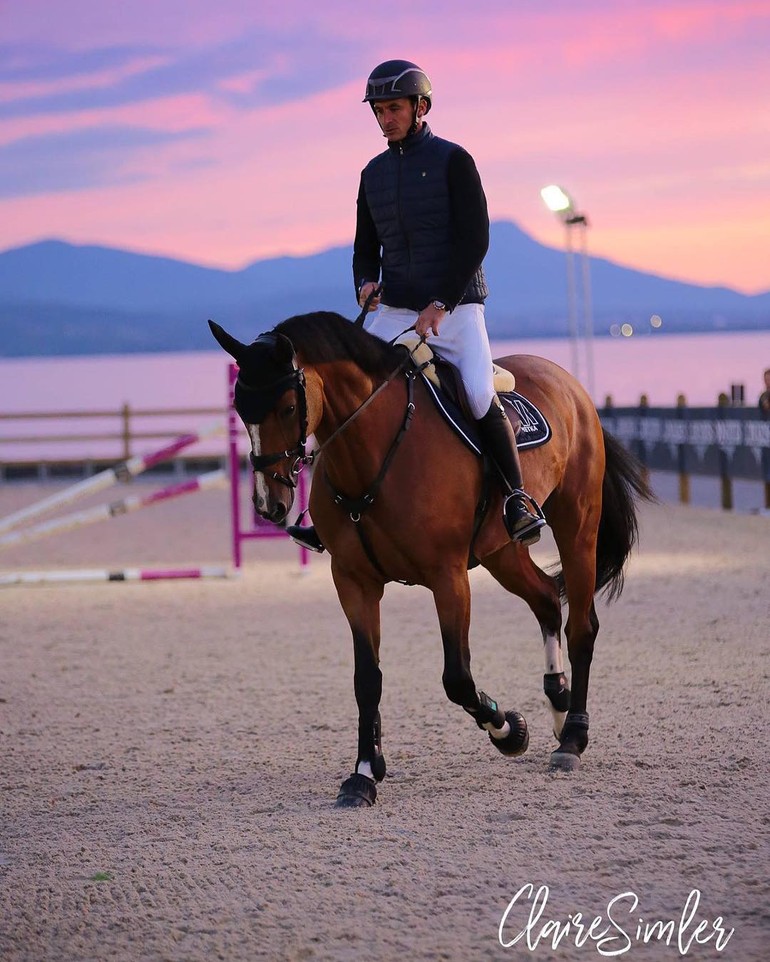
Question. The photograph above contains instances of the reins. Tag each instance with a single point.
(375, 292)
(360, 409)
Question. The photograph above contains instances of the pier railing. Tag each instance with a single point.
(723, 441)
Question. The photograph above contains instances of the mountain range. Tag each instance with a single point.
(58, 298)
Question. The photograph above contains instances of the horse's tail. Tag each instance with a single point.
(623, 486)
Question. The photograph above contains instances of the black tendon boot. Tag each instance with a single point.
(522, 515)
(305, 537)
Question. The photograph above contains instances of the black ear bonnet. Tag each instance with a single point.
(265, 373)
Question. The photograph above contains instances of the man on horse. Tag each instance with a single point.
(422, 231)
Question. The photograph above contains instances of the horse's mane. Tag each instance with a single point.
(324, 336)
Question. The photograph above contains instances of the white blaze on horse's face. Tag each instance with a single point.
(260, 487)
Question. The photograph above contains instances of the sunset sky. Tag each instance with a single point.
(230, 131)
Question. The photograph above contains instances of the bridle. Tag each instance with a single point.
(296, 380)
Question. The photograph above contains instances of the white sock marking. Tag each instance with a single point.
(498, 732)
(554, 662)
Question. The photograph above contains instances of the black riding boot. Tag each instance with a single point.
(521, 514)
(306, 537)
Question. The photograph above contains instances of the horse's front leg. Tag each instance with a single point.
(360, 601)
(507, 730)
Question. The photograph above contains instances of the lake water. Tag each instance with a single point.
(660, 365)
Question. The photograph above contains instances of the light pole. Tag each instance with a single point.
(560, 203)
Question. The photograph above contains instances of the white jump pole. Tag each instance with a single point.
(122, 472)
(102, 512)
(106, 574)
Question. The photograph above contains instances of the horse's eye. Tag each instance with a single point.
(288, 411)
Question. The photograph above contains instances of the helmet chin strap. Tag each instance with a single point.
(416, 121)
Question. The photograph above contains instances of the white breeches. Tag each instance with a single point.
(462, 340)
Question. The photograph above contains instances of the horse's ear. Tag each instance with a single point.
(284, 349)
(226, 341)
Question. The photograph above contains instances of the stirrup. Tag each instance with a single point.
(525, 527)
(305, 537)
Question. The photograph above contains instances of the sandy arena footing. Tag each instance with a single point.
(171, 753)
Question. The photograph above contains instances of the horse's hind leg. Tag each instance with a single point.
(360, 601)
(513, 568)
(507, 730)
(575, 535)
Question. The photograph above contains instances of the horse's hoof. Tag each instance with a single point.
(358, 791)
(564, 762)
(516, 741)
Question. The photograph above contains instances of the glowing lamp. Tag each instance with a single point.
(556, 199)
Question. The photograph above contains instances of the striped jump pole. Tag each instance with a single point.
(107, 574)
(105, 479)
(102, 512)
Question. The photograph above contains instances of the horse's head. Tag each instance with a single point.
(271, 398)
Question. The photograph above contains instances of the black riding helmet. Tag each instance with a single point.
(398, 78)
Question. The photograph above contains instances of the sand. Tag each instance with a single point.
(171, 753)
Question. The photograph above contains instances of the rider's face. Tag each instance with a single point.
(395, 117)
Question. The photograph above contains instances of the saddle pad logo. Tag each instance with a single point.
(535, 430)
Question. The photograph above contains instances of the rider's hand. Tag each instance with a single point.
(366, 290)
(429, 320)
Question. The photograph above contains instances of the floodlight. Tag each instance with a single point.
(556, 199)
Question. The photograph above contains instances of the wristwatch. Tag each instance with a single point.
(439, 305)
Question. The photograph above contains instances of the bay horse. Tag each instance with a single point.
(396, 497)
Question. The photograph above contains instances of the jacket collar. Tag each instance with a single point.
(411, 141)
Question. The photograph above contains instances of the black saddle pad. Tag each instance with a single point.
(535, 430)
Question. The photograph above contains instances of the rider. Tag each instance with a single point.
(422, 231)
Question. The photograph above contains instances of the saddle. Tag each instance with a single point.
(445, 376)
(448, 392)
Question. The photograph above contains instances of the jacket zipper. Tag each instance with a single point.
(398, 209)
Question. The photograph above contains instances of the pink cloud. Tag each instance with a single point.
(650, 113)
